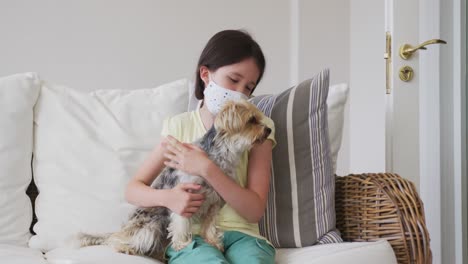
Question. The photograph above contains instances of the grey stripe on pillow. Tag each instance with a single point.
(324, 202)
(282, 181)
(331, 237)
(269, 228)
(300, 207)
(302, 147)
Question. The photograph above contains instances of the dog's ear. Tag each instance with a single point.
(229, 117)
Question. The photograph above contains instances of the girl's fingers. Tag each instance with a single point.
(197, 197)
(175, 143)
(173, 149)
(191, 210)
(196, 203)
(171, 164)
(171, 139)
(171, 157)
(190, 186)
(197, 147)
(189, 146)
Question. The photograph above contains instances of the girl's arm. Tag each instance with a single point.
(178, 199)
(249, 202)
(138, 190)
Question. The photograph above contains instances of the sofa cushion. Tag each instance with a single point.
(350, 253)
(18, 94)
(300, 210)
(357, 252)
(87, 147)
(11, 254)
(94, 255)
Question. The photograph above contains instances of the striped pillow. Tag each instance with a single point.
(301, 202)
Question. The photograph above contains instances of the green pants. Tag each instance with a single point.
(238, 248)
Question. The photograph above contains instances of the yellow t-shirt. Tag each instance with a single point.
(188, 127)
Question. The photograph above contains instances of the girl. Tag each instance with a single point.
(231, 62)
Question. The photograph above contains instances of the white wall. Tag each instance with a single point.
(367, 82)
(324, 41)
(120, 44)
(133, 44)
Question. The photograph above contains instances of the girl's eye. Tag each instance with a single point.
(233, 80)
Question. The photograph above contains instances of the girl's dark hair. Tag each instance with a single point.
(224, 48)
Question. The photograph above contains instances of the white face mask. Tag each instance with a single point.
(216, 96)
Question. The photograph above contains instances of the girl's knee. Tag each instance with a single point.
(198, 251)
(254, 250)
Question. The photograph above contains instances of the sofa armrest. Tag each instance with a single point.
(372, 207)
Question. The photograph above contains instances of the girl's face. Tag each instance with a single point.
(241, 77)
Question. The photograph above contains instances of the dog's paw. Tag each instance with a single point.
(125, 250)
(217, 244)
(179, 245)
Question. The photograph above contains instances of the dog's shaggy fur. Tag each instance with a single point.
(236, 128)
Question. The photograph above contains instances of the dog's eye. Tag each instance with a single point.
(253, 120)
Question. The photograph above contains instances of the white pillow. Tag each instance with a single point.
(18, 94)
(87, 147)
(336, 102)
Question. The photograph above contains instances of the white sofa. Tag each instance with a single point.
(62, 207)
(355, 252)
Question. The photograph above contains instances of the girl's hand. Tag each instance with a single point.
(186, 157)
(182, 201)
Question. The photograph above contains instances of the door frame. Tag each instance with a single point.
(430, 125)
(453, 131)
(443, 130)
(459, 131)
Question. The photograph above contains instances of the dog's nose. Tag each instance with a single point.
(267, 131)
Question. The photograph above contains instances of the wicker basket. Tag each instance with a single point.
(372, 207)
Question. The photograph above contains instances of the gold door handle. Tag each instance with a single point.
(406, 51)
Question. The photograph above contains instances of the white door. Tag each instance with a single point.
(412, 115)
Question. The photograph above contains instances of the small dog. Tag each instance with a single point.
(236, 128)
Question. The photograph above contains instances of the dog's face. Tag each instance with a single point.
(240, 125)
